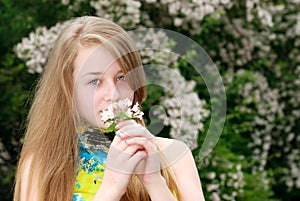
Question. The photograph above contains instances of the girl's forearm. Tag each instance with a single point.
(106, 194)
(160, 191)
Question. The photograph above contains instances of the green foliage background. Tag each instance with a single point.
(19, 18)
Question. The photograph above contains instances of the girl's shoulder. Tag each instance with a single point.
(172, 150)
(168, 143)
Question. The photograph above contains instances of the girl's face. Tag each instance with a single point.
(98, 81)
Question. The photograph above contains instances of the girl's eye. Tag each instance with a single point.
(122, 78)
(94, 82)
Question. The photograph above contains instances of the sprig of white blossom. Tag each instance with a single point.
(35, 48)
(185, 111)
(225, 181)
(185, 15)
(155, 47)
(124, 12)
(118, 111)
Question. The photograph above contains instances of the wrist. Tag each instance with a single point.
(157, 182)
(105, 193)
(159, 190)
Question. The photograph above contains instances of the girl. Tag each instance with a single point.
(66, 156)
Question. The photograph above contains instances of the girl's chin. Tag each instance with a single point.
(102, 125)
(98, 124)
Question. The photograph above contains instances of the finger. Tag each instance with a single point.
(125, 162)
(134, 130)
(119, 143)
(132, 149)
(124, 123)
(138, 157)
(133, 126)
(116, 140)
(149, 146)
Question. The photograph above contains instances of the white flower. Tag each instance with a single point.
(215, 196)
(35, 48)
(107, 114)
(212, 175)
(65, 2)
(129, 112)
(212, 187)
(120, 110)
(185, 112)
(135, 108)
(124, 12)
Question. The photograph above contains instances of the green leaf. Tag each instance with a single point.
(111, 128)
(123, 116)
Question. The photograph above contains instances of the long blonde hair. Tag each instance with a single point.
(50, 141)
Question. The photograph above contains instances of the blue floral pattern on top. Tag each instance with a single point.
(93, 145)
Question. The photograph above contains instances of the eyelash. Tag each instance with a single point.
(123, 78)
(120, 78)
(92, 82)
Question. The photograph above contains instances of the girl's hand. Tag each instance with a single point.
(133, 134)
(121, 162)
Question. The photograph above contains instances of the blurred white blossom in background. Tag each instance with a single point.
(124, 12)
(35, 48)
(257, 51)
(185, 111)
(230, 181)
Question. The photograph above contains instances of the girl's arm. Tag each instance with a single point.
(188, 178)
(26, 187)
(179, 158)
(184, 167)
(160, 191)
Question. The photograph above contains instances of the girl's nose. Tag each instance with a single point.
(110, 91)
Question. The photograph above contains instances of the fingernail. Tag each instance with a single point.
(117, 127)
(118, 133)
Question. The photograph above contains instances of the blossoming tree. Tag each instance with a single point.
(255, 46)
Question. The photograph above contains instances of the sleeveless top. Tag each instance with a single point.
(93, 147)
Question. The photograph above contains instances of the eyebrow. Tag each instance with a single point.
(120, 71)
(99, 73)
(92, 73)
